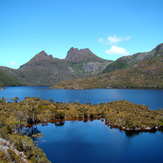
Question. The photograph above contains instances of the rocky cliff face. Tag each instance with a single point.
(76, 55)
(84, 61)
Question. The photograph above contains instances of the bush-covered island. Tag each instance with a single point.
(16, 147)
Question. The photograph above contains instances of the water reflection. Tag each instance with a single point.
(59, 123)
(90, 140)
(31, 131)
(44, 124)
(85, 120)
(135, 133)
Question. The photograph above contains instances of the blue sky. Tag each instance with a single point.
(109, 28)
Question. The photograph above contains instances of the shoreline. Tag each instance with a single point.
(145, 88)
(31, 111)
(57, 121)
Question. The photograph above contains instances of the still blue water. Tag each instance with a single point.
(152, 98)
(95, 142)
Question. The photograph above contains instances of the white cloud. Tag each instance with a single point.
(115, 50)
(114, 39)
(13, 63)
(101, 40)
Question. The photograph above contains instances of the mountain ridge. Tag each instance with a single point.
(44, 69)
(77, 55)
(141, 70)
(128, 61)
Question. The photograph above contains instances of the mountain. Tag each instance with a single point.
(126, 71)
(38, 59)
(43, 69)
(83, 61)
(144, 70)
(76, 55)
(6, 80)
(128, 61)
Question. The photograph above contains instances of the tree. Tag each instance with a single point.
(15, 99)
(3, 100)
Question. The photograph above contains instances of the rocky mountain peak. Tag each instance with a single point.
(41, 56)
(77, 55)
(42, 53)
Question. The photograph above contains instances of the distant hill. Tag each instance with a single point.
(141, 70)
(128, 61)
(6, 80)
(43, 69)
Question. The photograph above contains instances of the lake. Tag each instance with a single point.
(95, 142)
(151, 97)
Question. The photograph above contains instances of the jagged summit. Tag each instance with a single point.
(42, 53)
(77, 55)
(41, 56)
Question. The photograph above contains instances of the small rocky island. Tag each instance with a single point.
(14, 116)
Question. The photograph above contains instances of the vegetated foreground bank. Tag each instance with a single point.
(13, 116)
